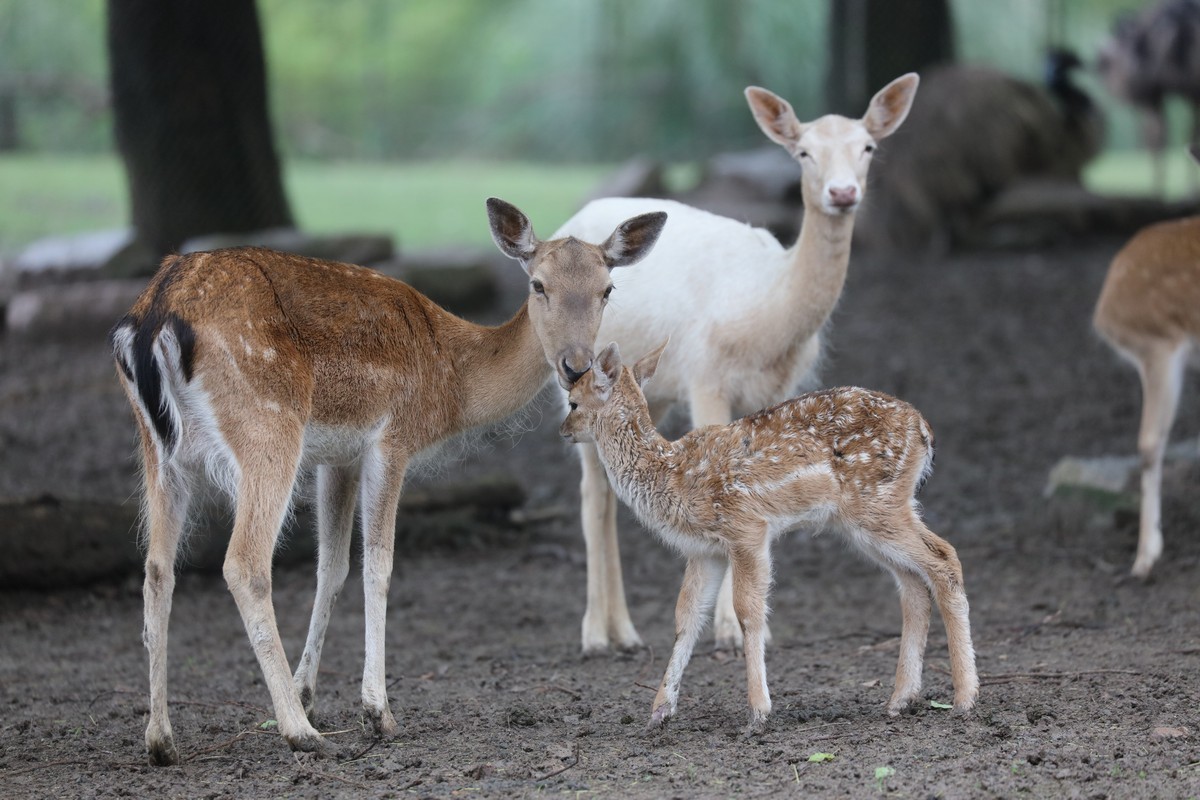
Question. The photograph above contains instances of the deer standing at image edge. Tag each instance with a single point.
(1149, 312)
(246, 366)
(721, 494)
(744, 314)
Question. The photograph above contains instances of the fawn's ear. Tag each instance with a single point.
(633, 239)
(607, 366)
(890, 106)
(644, 369)
(511, 230)
(774, 115)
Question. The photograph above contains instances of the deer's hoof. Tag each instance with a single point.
(162, 753)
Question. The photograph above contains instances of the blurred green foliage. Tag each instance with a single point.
(545, 80)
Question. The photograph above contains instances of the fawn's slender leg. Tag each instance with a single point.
(337, 494)
(916, 611)
(1161, 367)
(268, 475)
(167, 497)
(701, 580)
(383, 477)
(709, 406)
(751, 569)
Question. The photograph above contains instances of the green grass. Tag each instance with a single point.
(1131, 172)
(421, 204)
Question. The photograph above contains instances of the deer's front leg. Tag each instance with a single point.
(751, 571)
(383, 477)
(700, 582)
(337, 493)
(606, 620)
(709, 406)
(1161, 370)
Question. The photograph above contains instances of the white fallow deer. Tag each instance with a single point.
(246, 366)
(720, 495)
(1149, 311)
(744, 314)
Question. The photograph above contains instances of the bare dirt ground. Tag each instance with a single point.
(1090, 680)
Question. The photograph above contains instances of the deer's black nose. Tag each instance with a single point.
(571, 374)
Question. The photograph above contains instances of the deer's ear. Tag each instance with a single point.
(774, 115)
(511, 230)
(633, 239)
(890, 106)
(608, 363)
(645, 367)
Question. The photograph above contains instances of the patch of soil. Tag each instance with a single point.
(1091, 682)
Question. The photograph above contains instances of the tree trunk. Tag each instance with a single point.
(873, 41)
(190, 104)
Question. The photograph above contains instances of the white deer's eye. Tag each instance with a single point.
(869, 148)
(803, 154)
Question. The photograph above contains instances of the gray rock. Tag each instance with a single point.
(1109, 482)
(72, 253)
(360, 248)
(85, 309)
(459, 279)
(637, 177)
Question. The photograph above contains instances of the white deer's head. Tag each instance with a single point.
(834, 152)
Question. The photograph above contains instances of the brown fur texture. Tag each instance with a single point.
(722, 493)
(1149, 311)
(245, 366)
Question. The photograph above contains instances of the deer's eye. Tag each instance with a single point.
(537, 287)
(573, 406)
(869, 148)
(607, 292)
(804, 154)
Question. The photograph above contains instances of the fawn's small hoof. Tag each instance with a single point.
(383, 723)
(757, 725)
(659, 718)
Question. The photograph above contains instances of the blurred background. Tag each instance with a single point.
(401, 117)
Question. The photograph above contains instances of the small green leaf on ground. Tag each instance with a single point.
(936, 704)
(819, 757)
(269, 724)
(882, 774)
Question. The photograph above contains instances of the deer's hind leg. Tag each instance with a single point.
(921, 561)
(268, 462)
(167, 495)
(337, 495)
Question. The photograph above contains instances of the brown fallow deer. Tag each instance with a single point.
(847, 458)
(247, 366)
(1149, 311)
(745, 314)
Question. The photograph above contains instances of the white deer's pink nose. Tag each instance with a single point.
(843, 196)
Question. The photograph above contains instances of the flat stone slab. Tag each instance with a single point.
(1110, 482)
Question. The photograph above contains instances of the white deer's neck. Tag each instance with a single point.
(817, 272)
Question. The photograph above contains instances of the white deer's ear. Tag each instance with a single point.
(890, 106)
(774, 115)
(511, 230)
(645, 367)
(633, 239)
